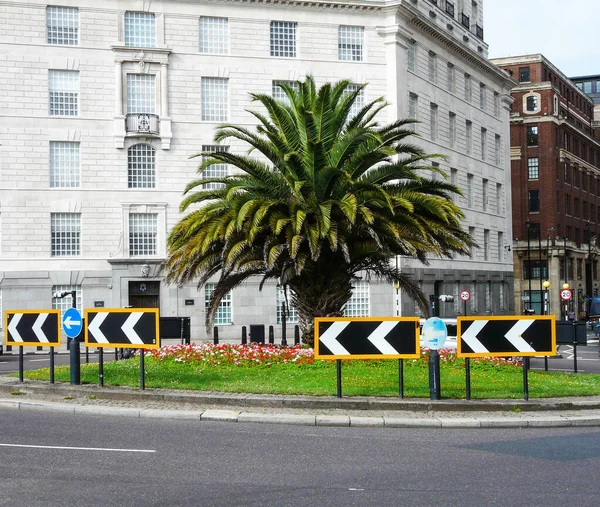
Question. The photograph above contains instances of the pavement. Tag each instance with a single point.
(299, 410)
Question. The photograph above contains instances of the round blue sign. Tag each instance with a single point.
(72, 322)
(434, 333)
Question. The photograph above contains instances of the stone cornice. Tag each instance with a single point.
(374, 5)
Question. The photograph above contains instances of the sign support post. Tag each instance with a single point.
(401, 378)
(142, 373)
(465, 295)
(526, 378)
(52, 365)
(338, 368)
(21, 363)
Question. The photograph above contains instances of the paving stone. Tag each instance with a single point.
(220, 415)
(333, 420)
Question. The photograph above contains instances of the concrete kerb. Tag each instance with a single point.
(303, 410)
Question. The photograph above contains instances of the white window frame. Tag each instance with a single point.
(411, 55)
(277, 92)
(216, 170)
(65, 164)
(486, 244)
(413, 110)
(62, 25)
(468, 88)
(450, 78)
(470, 196)
(63, 92)
(469, 136)
(482, 93)
(283, 39)
(63, 304)
(351, 42)
(224, 314)
(141, 93)
(215, 99)
(359, 303)
(141, 166)
(213, 35)
(359, 102)
(65, 234)
(432, 66)
(291, 316)
(473, 299)
(497, 149)
(433, 121)
(452, 129)
(483, 143)
(139, 29)
(143, 235)
(488, 297)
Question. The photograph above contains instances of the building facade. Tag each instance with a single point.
(103, 105)
(555, 159)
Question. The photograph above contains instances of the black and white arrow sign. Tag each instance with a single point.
(367, 338)
(122, 328)
(506, 336)
(33, 327)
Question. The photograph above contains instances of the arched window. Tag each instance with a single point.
(141, 172)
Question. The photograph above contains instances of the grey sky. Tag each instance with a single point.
(563, 31)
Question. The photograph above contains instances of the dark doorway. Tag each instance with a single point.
(144, 294)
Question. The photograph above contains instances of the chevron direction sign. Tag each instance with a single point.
(367, 338)
(506, 336)
(32, 327)
(122, 328)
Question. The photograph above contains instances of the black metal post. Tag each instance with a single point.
(271, 336)
(526, 378)
(541, 271)
(575, 346)
(215, 335)
(566, 278)
(101, 366)
(20, 364)
(434, 375)
(74, 351)
(338, 368)
(588, 277)
(468, 377)
(87, 355)
(142, 372)
(52, 365)
(296, 335)
(401, 378)
(244, 336)
(283, 323)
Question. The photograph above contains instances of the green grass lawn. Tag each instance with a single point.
(359, 378)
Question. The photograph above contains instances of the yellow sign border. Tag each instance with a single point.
(32, 344)
(127, 345)
(461, 318)
(416, 320)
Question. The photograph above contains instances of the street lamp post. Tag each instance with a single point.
(528, 225)
(566, 286)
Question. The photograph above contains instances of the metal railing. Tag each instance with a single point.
(144, 123)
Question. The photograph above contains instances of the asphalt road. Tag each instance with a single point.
(55, 459)
(9, 361)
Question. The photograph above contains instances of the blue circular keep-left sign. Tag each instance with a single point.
(72, 322)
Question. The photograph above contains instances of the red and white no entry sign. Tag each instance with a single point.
(566, 294)
(465, 295)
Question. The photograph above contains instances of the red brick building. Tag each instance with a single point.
(555, 173)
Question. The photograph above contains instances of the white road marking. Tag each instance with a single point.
(38, 360)
(76, 448)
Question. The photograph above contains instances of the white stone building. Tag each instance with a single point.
(103, 103)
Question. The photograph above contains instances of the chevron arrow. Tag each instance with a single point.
(94, 328)
(128, 328)
(12, 327)
(514, 336)
(470, 336)
(37, 327)
(329, 338)
(377, 337)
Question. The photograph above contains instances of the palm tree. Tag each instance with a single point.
(329, 197)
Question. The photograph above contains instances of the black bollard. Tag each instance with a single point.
(216, 335)
(244, 336)
(296, 335)
(75, 362)
(271, 336)
(434, 375)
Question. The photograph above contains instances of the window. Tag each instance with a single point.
(473, 300)
(143, 232)
(524, 76)
(468, 90)
(482, 96)
(532, 136)
(501, 298)
(213, 35)
(278, 93)
(454, 181)
(534, 201)
(64, 164)
(486, 244)
(140, 29)
(469, 128)
(413, 109)
(215, 170)
(488, 297)
(500, 254)
(496, 104)
(223, 315)
(450, 78)
(533, 169)
(472, 248)
(291, 316)
(350, 43)
(359, 102)
(470, 190)
(63, 92)
(141, 171)
(62, 25)
(587, 87)
(433, 120)
(452, 129)
(215, 99)
(358, 304)
(485, 193)
(411, 57)
(497, 149)
(283, 39)
(532, 103)
(141, 93)
(538, 269)
(499, 198)
(483, 143)
(65, 303)
(432, 63)
(65, 232)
